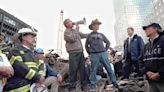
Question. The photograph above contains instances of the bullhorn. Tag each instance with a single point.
(83, 21)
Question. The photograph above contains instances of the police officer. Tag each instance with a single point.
(27, 69)
(153, 58)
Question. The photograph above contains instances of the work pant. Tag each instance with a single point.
(52, 81)
(130, 66)
(76, 63)
(156, 87)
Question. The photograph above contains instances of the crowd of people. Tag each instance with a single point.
(29, 67)
(143, 59)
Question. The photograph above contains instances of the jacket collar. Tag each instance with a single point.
(153, 40)
(21, 47)
(26, 46)
(133, 36)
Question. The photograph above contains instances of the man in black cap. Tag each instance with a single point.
(153, 58)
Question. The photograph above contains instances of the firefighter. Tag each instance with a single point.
(27, 69)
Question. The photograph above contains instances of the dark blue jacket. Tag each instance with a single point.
(50, 71)
(152, 58)
(136, 47)
(95, 43)
(26, 67)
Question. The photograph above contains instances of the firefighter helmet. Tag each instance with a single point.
(26, 30)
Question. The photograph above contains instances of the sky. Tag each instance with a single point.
(44, 15)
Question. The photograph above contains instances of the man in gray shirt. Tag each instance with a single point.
(75, 50)
(97, 51)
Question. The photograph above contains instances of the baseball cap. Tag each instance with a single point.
(155, 25)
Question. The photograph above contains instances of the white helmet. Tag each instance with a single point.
(34, 88)
(26, 30)
(118, 53)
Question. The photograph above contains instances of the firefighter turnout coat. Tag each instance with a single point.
(27, 69)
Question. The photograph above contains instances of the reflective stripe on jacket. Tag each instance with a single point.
(27, 69)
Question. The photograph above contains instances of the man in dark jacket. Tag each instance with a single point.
(97, 51)
(133, 47)
(27, 69)
(153, 58)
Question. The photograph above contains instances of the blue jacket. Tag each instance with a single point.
(136, 47)
(152, 58)
(95, 43)
(50, 71)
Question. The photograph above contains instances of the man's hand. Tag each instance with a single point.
(155, 76)
(7, 71)
(59, 78)
(41, 80)
(149, 74)
(39, 85)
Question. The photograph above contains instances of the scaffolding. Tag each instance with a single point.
(60, 34)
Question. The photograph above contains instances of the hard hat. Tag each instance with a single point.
(26, 30)
(118, 53)
(34, 88)
(40, 50)
(2, 34)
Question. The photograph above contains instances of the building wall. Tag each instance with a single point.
(158, 13)
(131, 14)
(121, 22)
(9, 25)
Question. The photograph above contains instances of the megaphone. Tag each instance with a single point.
(83, 21)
